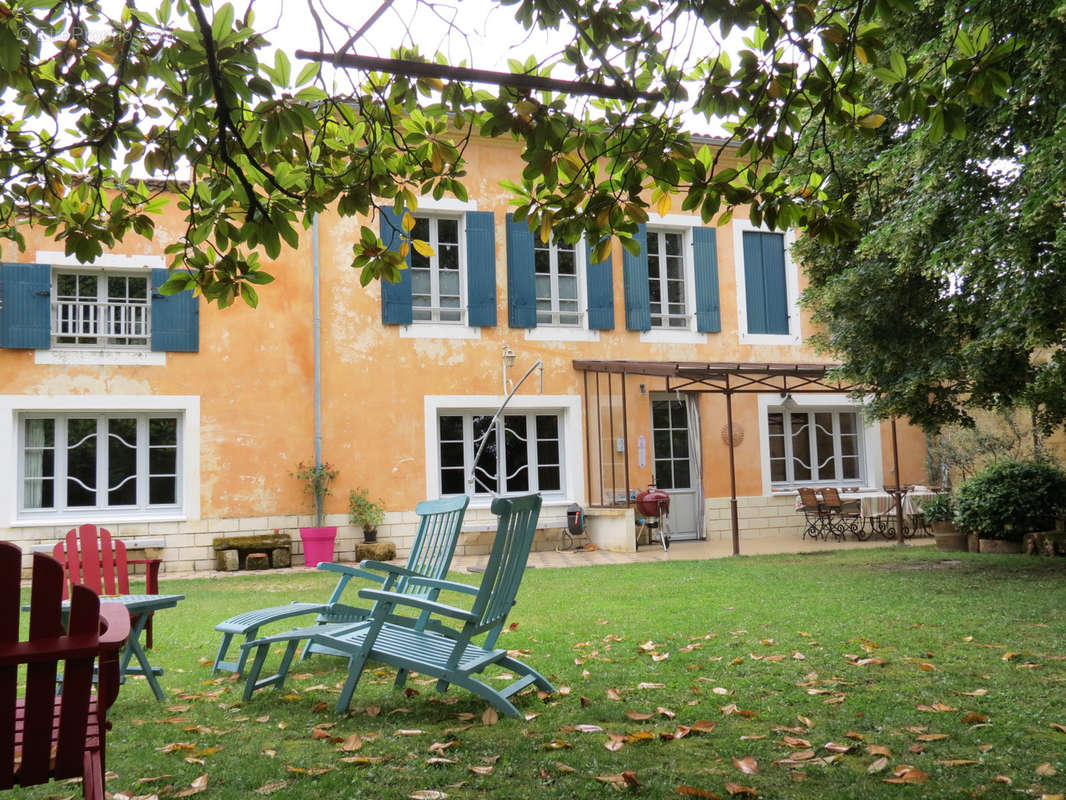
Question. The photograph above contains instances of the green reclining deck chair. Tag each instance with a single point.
(448, 654)
(431, 555)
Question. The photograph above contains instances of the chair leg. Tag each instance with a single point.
(92, 785)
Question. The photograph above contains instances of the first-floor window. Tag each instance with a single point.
(522, 453)
(555, 266)
(815, 447)
(436, 280)
(82, 462)
(666, 280)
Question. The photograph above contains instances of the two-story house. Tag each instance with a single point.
(174, 422)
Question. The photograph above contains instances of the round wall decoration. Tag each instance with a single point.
(738, 434)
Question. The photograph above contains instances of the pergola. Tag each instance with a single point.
(723, 378)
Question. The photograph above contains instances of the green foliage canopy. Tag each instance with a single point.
(254, 146)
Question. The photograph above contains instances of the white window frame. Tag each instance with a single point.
(555, 332)
(101, 303)
(678, 223)
(100, 355)
(794, 335)
(869, 438)
(14, 408)
(552, 248)
(436, 310)
(567, 407)
(446, 207)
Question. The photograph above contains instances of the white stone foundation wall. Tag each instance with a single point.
(187, 546)
(757, 516)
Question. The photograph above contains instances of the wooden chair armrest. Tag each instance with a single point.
(349, 571)
(422, 603)
(435, 583)
(151, 573)
(117, 619)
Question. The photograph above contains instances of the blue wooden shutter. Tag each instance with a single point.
(481, 268)
(175, 318)
(599, 286)
(521, 277)
(705, 267)
(25, 306)
(635, 275)
(395, 297)
(764, 282)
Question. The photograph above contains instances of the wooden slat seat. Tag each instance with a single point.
(439, 524)
(451, 644)
(53, 726)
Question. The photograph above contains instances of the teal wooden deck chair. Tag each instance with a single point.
(429, 647)
(431, 555)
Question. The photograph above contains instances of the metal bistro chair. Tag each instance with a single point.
(815, 514)
(844, 516)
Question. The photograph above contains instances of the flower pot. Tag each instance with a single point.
(318, 544)
(1000, 546)
(370, 535)
(973, 543)
(951, 542)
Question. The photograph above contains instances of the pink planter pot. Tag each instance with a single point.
(318, 544)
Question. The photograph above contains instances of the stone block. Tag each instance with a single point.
(257, 561)
(227, 560)
(281, 557)
(375, 551)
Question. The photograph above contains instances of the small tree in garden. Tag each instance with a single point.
(1010, 498)
(317, 479)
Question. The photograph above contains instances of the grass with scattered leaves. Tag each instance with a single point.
(894, 673)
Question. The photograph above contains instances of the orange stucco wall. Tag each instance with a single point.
(254, 373)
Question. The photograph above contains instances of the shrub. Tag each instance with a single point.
(364, 511)
(940, 508)
(1010, 498)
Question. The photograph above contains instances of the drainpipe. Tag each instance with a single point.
(316, 325)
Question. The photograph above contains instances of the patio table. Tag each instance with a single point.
(880, 509)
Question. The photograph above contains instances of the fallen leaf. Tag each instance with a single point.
(932, 737)
(833, 747)
(976, 693)
(650, 685)
(804, 721)
(612, 694)
(692, 791)
(557, 744)
(409, 732)
(363, 761)
(270, 788)
(905, 773)
(703, 725)
(352, 743)
(197, 786)
(748, 765)
(490, 717)
(1058, 727)
(1046, 770)
(878, 765)
(480, 770)
(440, 747)
(796, 742)
(1003, 779)
(956, 762)
(427, 794)
(639, 716)
(736, 788)
(665, 712)
(878, 750)
(438, 760)
(973, 717)
(559, 765)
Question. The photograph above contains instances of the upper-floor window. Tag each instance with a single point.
(667, 289)
(817, 446)
(558, 290)
(101, 309)
(83, 462)
(436, 280)
(556, 285)
(522, 453)
(65, 310)
(767, 286)
(671, 285)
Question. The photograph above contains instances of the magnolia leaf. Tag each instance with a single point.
(736, 788)
(878, 765)
(422, 248)
(748, 765)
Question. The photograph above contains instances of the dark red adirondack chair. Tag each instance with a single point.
(90, 556)
(48, 732)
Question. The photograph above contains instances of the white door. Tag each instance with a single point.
(675, 467)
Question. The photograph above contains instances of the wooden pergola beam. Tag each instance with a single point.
(423, 69)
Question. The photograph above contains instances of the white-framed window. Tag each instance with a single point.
(767, 278)
(101, 308)
(438, 281)
(669, 281)
(87, 458)
(559, 275)
(75, 461)
(815, 446)
(522, 453)
(535, 446)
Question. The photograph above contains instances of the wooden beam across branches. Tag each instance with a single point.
(423, 69)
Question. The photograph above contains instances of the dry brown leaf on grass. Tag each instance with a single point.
(692, 791)
(584, 728)
(480, 770)
(748, 765)
(732, 709)
(639, 716)
(736, 788)
(615, 741)
(270, 788)
(557, 744)
(650, 685)
(905, 773)
(1058, 727)
(308, 770)
(440, 747)
(364, 761)
(877, 765)
(622, 780)
(976, 693)
(936, 707)
(612, 694)
(974, 718)
(1046, 770)
(834, 747)
(197, 786)
(956, 762)
(409, 732)
(805, 721)
(427, 794)
(436, 761)
(352, 743)
(932, 737)
(878, 750)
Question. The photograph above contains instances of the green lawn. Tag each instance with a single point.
(800, 676)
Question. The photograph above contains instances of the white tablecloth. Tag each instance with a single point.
(880, 505)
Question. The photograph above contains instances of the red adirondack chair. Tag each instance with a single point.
(90, 556)
(47, 733)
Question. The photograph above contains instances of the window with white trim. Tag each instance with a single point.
(815, 446)
(523, 453)
(84, 462)
(667, 292)
(556, 267)
(101, 309)
(437, 280)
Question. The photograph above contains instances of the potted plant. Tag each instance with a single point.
(365, 512)
(1008, 499)
(317, 541)
(939, 512)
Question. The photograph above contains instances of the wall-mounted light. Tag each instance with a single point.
(643, 389)
(788, 401)
(508, 356)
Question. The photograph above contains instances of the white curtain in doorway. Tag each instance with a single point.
(695, 446)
